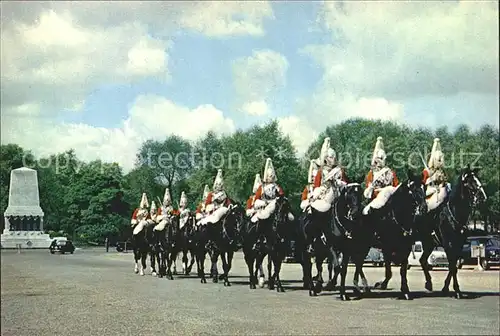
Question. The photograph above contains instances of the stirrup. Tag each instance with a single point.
(348, 235)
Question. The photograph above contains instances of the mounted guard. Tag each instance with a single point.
(250, 211)
(153, 213)
(308, 191)
(200, 209)
(165, 213)
(141, 213)
(183, 210)
(265, 196)
(217, 202)
(435, 178)
(329, 179)
(381, 181)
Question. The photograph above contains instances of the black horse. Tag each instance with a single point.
(187, 243)
(142, 242)
(446, 225)
(168, 243)
(394, 225)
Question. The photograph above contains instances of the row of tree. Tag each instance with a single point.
(92, 200)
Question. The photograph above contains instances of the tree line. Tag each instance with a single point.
(93, 200)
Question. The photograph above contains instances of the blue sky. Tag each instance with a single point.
(102, 84)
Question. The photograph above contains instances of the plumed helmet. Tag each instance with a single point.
(206, 191)
(167, 200)
(269, 172)
(219, 182)
(144, 202)
(153, 207)
(184, 201)
(256, 183)
(379, 155)
(436, 159)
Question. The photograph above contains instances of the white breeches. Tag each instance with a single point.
(267, 211)
(382, 198)
(304, 204)
(438, 196)
(250, 212)
(216, 215)
(139, 227)
(161, 225)
(325, 200)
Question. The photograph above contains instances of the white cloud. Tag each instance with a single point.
(220, 19)
(256, 108)
(150, 117)
(300, 132)
(260, 75)
(385, 56)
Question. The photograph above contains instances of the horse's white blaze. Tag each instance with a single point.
(480, 187)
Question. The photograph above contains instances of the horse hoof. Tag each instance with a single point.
(153, 274)
(407, 296)
(380, 285)
(261, 282)
(252, 286)
(280, 290)
(312, 293)
(458, 295)
(344, 297)
(428, 286)
(445, 291)
(227, 284)
(318, 288)
(215, 280)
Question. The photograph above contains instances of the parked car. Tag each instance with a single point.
(61, 245)
(437, 258)
(375, 257)
(492, 251)
(124, 246)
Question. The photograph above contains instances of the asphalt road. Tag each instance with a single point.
(97, 293)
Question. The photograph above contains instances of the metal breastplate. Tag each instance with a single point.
(382, 178)
(269, 192)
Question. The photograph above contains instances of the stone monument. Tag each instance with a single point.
(24, 217)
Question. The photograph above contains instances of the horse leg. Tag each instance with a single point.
(249, 260)
(144, 256)
(343, 274)
(259, 259)
(388, 275)
(319, 278)
(152, 261)
(184, 261)
(191, 262)
(308, 281)
(404, 280)
(174, 264)
(225, 268)
(428, 247)
(200, 256)
(270, 282)
(452, 273)
(213, 270)
(137, 257)
(278, 261)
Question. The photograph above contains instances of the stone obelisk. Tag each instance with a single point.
(24, 216)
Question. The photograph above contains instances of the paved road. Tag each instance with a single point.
(97, 293)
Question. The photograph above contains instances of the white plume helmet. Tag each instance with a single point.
(206, 191)
(269, 172)
(184, 201)
(379, 151)
(313, 170)
(324, 150)
(167, 200)
(256, 183)
(144, 202)
(219, 182)
(436, 159)
(153, 207)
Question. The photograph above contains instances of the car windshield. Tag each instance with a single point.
(440, 249)
(61, 242)
(493, 242)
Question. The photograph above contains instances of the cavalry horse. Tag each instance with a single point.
(187, 244)
(445, 226)
(394, 224)
(168, 246)
(276, 232)
(142, 240)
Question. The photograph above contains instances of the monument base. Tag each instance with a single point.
(27, 240)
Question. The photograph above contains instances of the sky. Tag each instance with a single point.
(103, 77)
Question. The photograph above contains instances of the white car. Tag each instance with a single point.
(437, 258)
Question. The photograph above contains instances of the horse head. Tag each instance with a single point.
(281, 212)
(471, 187)
(351, 197)
(233, 220)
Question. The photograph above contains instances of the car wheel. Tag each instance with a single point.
(72, 252)
(460, 263)
(485, 265)
(52, 252)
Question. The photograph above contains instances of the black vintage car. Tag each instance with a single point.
(62, 246)
(124, 246)
(492, 251)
